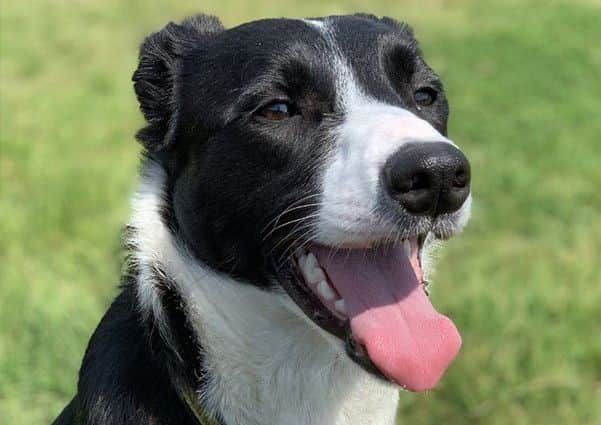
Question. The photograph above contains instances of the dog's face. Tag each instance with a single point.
(311, 155)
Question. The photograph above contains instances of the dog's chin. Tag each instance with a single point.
(374, 299)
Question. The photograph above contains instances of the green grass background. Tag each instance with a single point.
(522, 283)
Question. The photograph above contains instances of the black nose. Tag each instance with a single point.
(428, 178)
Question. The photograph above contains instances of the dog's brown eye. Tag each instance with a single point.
(277, 111)
(425, 96)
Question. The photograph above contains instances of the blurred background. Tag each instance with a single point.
(522, 282)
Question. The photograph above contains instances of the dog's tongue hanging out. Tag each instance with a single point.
(391, 316)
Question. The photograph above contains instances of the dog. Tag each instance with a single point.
(296, 177)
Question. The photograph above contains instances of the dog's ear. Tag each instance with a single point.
(156, 80)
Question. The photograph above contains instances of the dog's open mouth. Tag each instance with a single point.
(375, 299)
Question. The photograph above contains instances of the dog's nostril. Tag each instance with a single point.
(460, 180)
(419, 181)
(404, 184)
(398, 185)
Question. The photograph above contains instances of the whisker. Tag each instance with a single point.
(288, 208)
(302, 226)
(294, 206)
(289, 251)
(279, 226)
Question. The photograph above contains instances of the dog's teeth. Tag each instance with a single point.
(316, 275)
(326, 292)
(340, 307)
(311, 261)
(407, 247)
(301, 260)
(311, 270)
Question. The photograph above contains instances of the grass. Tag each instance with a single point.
(521, 283)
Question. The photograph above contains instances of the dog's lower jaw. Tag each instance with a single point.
(264, 364)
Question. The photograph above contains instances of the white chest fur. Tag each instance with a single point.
(270, 366)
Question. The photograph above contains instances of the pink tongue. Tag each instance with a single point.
(391, 316)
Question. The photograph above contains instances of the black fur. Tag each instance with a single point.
(125, 376)
(157, 79)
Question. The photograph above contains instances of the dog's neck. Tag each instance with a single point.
(265, 362)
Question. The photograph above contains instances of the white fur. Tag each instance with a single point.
(267, 362)
(319, 24)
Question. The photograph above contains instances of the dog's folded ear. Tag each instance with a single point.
(156, 80)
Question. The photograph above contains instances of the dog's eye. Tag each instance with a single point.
(277, 111)
(425, 96)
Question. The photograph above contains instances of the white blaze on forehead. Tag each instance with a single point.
(319, 24)
(346, 85)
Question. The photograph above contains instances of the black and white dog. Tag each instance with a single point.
(297, 174)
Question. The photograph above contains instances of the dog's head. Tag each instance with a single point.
(311, 155)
